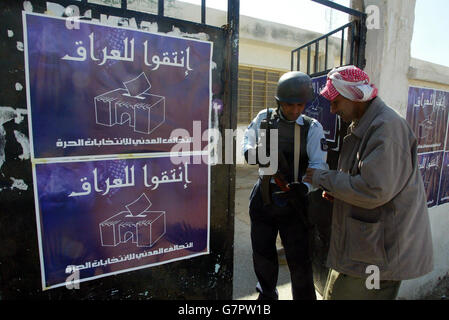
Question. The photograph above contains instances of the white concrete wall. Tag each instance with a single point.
(258, 54)
(420, 287)
(427, 74)
(388, 51)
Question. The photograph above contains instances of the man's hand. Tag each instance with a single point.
(309, 175)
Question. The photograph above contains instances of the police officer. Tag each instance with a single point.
(278, 201)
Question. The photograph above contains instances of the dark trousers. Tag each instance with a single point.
(266, 223)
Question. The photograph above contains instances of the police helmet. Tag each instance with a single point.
(294, 87)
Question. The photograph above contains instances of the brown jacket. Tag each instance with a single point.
(380, 212)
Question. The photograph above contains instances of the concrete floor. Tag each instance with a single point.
(244, 278)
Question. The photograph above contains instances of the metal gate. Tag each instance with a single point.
(207, 276)
(357, 41)
(317, 66)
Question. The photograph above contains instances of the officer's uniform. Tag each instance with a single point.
(281, 216)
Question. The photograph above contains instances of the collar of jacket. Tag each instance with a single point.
(363, 124)
(300, 120)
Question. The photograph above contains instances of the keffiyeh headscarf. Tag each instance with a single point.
(351, 82)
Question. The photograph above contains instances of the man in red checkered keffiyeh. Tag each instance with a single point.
(350, 82)
(350, 93)
(380, 219)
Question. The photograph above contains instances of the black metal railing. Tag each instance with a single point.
(356, 31)
(315, 44)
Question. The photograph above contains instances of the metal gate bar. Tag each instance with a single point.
(340, 7)
(357, 40)
(297, 52)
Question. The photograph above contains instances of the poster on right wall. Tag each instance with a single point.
(427, 114)
(444, 184)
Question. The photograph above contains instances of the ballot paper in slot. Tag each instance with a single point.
(131, 106)
(137, 225)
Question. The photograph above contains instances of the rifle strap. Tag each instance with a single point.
(297, 146)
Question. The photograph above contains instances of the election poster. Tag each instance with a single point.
(444, 185)
(319, 109)
(447, 136)
(430, 168)
(101, 90)
(105, 217)
(427, 114)
(107, 106)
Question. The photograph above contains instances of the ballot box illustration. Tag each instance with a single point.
(136, 224)
(132, 106)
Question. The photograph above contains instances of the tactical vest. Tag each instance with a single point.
(286, 137)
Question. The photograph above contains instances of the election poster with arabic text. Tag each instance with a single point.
(91, 225)
(104, 102)
(430, 168)
(100, 90)
(427, 114)
(444, 184)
